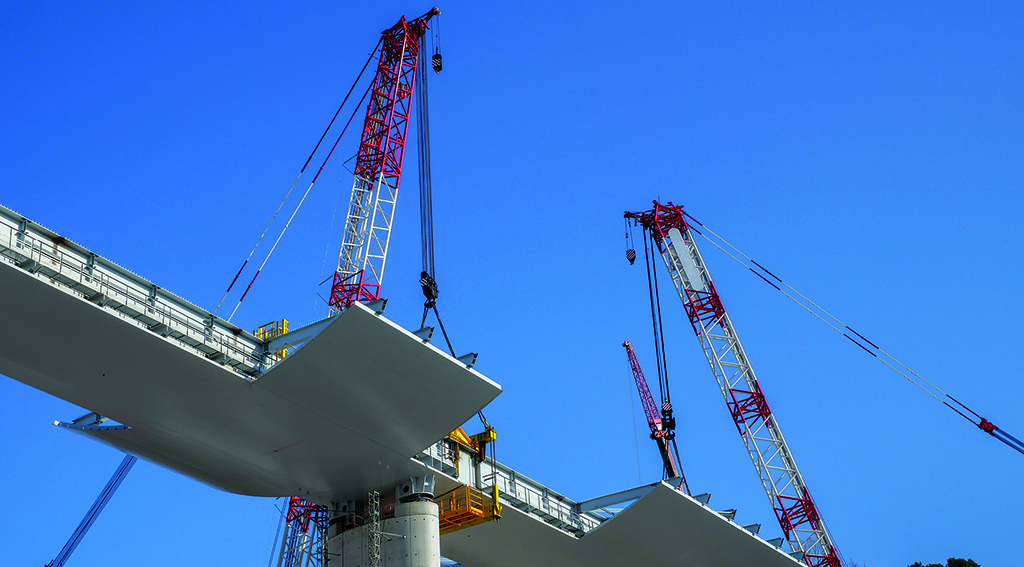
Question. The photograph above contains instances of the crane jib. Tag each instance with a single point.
(378, 170)
(796, 512)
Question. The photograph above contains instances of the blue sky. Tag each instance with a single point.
(868, 153)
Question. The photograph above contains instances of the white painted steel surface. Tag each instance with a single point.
(340, 416)
(83, 273)
(541, 527)
(690, 270)
(665, 527)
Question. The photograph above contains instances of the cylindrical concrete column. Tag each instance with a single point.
(421, 544)
(410, 539)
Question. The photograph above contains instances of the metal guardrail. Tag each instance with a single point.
(532, 497)
(84, 274)
(519, 491)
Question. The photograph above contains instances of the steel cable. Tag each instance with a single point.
(301, 171)
(981, 422)
(287, 224)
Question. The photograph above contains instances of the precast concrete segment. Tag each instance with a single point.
(665, 527)
(410, 539)
(341, 416)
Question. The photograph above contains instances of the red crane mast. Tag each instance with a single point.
(661, 424)
(378, 170)
(367, 234)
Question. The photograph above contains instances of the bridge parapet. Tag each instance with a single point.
(514, 489)
(82, 273)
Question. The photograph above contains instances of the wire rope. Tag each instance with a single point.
(819, 307)
(301, 171)
(822, 319)
(277, 536)
(663, 366)
(327, 246)
(834, 322)
(287, 224)
(654, 319)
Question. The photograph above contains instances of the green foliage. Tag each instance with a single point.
(951, 562)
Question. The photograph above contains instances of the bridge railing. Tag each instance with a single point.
(79, 272)
(536, 499)
(514, 489)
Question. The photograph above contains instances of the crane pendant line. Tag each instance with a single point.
(790, 499)
(301, 171)
(378, 170)
(875, 351)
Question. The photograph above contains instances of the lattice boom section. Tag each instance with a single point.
(703, 307)
(747, 404)
(748, 407)
(792, 513)
(344, 294)
(378, 169)
(303, 543)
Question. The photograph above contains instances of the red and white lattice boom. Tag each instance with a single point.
(660, 431)
(801, 523)
(371, 209)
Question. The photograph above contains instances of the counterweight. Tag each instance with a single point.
(801, 523)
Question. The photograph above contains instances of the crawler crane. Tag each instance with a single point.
(367, 232)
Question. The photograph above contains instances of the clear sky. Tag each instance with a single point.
(870, 153)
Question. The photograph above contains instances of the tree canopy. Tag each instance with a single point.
(951, 562)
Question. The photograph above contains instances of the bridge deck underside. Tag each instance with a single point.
(340, 416)
(665, 527)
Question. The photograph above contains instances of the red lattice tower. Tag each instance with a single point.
(378, 170)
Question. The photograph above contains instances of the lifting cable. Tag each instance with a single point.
(301, 171)
(836, 324)
(287, 224)
(659, 343)
(659, 339)
(427, 276)
(277, 534)
(666, 399)
(428, 283)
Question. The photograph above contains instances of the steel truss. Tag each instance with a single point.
(378, 170)
(801, 523)
(305, 536)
